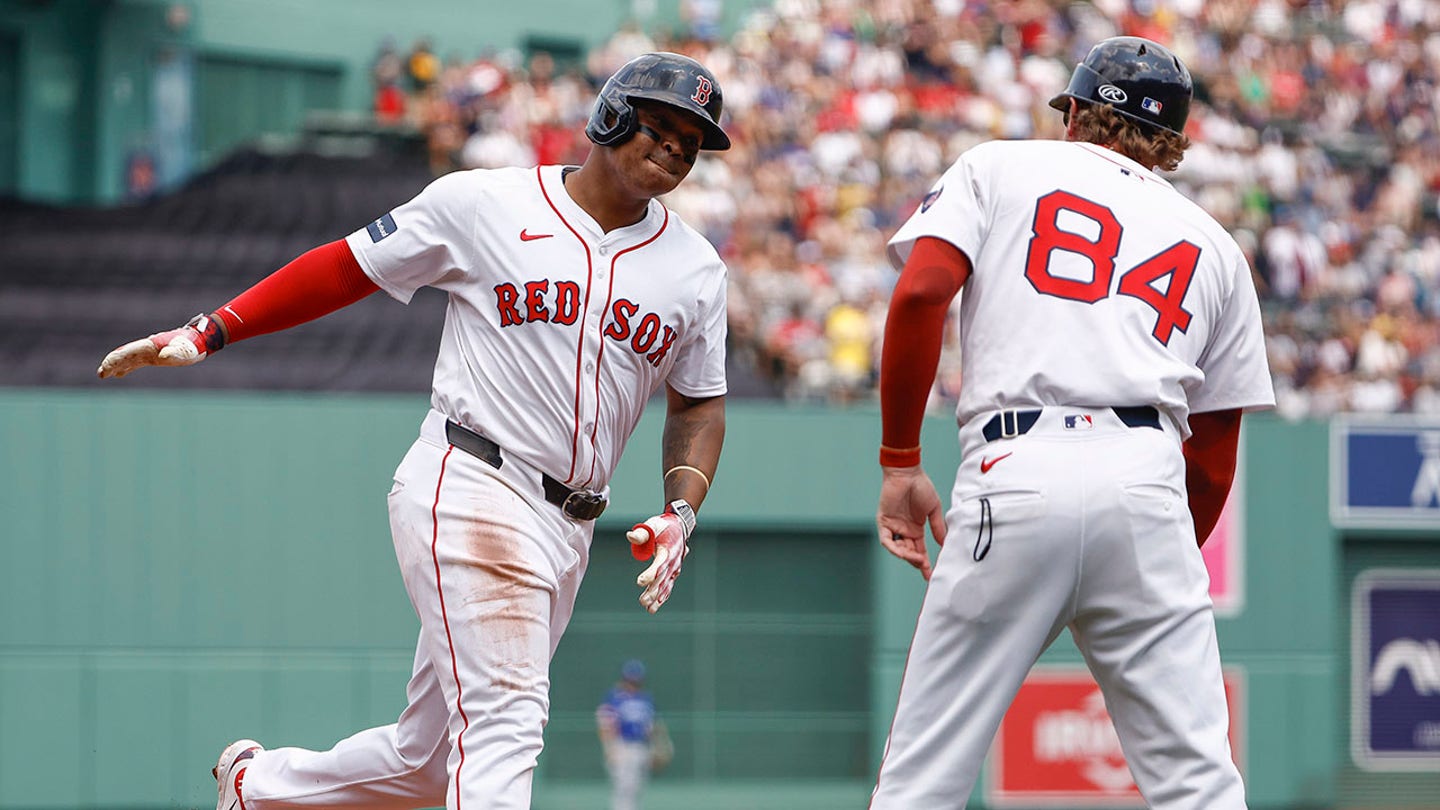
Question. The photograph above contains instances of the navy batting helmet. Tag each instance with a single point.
(668, 78)
(1141, 79)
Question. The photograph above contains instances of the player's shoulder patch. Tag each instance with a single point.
(931, 198)
(381, 228)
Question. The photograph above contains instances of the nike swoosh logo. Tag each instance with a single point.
(987, 463)
(531, 237)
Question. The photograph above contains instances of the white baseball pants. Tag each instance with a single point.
(492, 570)
(1087, 527)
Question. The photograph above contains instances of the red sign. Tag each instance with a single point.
(1057, 746)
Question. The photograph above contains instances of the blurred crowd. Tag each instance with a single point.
(1315, 142)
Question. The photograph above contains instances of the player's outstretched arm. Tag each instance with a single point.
(317, 283)
(694, 434)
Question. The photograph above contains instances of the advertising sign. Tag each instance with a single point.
(1057, 747)
(1395, 667)
(1385, 474)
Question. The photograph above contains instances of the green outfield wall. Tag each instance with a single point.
(182, 569)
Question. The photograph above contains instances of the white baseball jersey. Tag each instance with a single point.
(1095, 286)
(1095, 283)
(557, 332)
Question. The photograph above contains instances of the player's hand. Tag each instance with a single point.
(908, 501)
(663, 538)
(185, 346)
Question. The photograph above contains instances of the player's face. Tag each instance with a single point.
(663, 150)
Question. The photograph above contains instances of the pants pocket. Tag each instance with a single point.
(1168, 563)
(980, 556)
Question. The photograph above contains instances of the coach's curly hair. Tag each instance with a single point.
(1146, 145)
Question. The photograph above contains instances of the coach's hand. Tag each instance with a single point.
(201, 337)
(907, 502)
(662, 537)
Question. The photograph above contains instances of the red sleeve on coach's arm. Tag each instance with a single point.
(914, 332)
(318, 282)
(1210, 466)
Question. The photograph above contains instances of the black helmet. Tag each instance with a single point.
(668, 78)
(1143, 80)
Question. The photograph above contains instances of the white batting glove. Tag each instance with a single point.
(185, 346)
(662, 537)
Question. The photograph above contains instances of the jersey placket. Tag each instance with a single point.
(592, 351)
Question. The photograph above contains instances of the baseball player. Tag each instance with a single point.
(625, 720)
(573, 296)
(1111, 338)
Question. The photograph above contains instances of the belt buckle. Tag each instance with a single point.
(1010, 423)
(583, 505)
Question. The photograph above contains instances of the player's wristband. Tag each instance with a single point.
(681, 508)
(898, 457)
(212, 331)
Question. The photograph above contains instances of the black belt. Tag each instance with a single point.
(1009, 424)
(577, 503)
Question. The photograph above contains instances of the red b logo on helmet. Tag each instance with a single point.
(702, 91)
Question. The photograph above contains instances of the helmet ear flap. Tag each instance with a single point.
(612, 122)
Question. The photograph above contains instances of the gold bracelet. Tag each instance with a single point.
(696, 470)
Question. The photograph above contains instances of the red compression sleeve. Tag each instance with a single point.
(318, 282)
(914, 331)
(1210, 466)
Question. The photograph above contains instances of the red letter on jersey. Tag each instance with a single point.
(1049, 238)
(505, 297)
(619, 329)
(659, 354)
(535, 305)
(567, 302)
(646, 334)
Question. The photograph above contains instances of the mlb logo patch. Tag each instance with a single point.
(1079, 421)
(381, 228)
(1151, 106)
(930, 199)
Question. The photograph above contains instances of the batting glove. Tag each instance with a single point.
(662, 537)
(201, 337)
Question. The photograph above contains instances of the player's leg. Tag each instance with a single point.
(1147, 631)
(401, 765)
(627, 775)
(981, 627)
(490, 582)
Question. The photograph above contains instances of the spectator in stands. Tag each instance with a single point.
(422, 68)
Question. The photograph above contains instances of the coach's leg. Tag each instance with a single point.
(1147, 631)
(982, 625)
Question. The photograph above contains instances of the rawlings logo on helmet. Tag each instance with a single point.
(1112, 94)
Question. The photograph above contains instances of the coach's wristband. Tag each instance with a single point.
(897, 457)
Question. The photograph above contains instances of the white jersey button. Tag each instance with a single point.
(604, 249)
